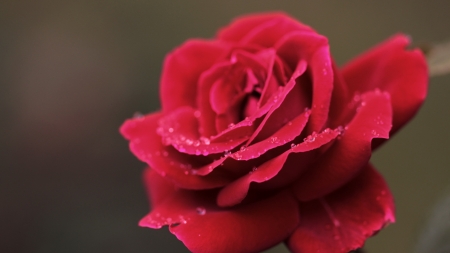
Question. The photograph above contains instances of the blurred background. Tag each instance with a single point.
(72, 71)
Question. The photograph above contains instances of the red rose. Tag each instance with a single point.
(262, 139)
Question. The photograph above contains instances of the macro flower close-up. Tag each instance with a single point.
(261, 138)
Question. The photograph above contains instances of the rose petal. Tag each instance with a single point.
(235, 192)
(314, 49)
(203, 227)
(268, 33)
(351, 152)
(392, 68)
(343, 220)
(182, 69)
(243, 25)
(146, 145)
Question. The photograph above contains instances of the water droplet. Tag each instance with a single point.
(243, 148)
(293, 145)
(163, 173)
(201, 210)
(197, 114)
(341, 130)
(231, 125)
(165, 153)
(324, 71)
(205, 140)
(170, 130)
(254, 168)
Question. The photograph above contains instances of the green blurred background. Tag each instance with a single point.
(72, 71)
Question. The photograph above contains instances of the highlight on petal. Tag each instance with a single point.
(182, 69)
(352, 151)
(393, 68)
(343, 220)
(236, 191)
(204, 227)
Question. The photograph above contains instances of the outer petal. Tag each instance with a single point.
(343, 220)
(394, 69)
(351, 152)
(146, 145)
(203, 227)
(242, 26)
(182, 69)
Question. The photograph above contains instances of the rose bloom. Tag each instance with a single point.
(262, 139)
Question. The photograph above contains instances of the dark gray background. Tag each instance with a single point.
(70, 73)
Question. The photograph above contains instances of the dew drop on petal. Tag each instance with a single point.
(201, 210)
(197, 114)
(205, 140)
